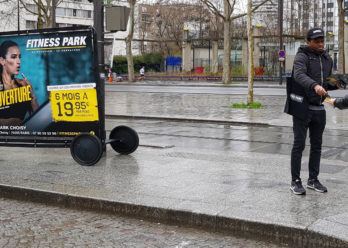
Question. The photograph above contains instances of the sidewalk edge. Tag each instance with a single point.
(186, 119)
(239, 227)
(197, 84)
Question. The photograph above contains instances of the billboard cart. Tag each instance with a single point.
(51, 94)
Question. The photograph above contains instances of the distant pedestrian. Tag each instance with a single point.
(142, 73)
(306, 93)
(110, 75)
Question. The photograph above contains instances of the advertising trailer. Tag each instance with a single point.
(51, 94)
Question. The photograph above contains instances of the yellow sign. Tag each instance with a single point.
(78, 105)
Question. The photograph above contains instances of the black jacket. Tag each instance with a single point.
(310, 69)
(341, 103)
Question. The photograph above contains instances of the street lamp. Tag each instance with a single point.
(263, 64)
(18, 26)
(98, 19)
(54, 6)
(280, 23)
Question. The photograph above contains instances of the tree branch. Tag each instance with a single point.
(26, 7)
(253, 10)
(212, 8)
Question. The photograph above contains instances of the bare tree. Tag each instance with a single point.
(160, 16)
(166, 19)
(341, 60)
(250, 98)
(144, 22)
(129, 38)
(227, 15)
(7, 13)
(43, 9)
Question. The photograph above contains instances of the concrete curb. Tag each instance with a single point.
(195, 120)
(194, 85)
(207, 121)
(271, 232)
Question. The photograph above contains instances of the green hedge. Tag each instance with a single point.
(151, 61)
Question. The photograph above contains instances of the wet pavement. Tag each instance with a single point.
(227, 137)
(232, 189)
(210, 107)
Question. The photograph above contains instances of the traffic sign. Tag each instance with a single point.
(281, 54)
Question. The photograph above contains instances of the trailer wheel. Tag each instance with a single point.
(86, 149)
(124, 140)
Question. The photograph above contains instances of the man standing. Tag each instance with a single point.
(312, 65)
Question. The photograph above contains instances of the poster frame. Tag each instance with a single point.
(61, 141)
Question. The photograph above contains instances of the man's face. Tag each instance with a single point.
(317, 44)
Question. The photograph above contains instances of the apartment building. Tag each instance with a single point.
(68, 13)
(266, 15)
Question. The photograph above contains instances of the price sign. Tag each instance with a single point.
(74, 105)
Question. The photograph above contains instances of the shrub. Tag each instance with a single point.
(151, 61)
(238, 71)
(120, 64)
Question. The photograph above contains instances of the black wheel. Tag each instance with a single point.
(124, 139)
(86, 149)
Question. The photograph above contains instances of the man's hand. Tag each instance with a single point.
(320, 90)
(331, 101)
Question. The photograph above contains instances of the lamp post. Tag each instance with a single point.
(329, 40)
(18, 24)
(98, 19)
(54, 6)
(280, 24)
(260, 25)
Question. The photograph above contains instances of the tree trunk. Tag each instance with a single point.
(341, 60)
(39, 16)
(226, 73)
(131, 76)
(44, 11)
(251, 56)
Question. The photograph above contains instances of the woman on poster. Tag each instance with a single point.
(17, 97)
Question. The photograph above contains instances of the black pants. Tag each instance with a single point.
(316, 121)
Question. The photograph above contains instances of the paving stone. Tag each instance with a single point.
(89, 229)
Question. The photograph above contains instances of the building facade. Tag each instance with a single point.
(68, 13)
(300, 16)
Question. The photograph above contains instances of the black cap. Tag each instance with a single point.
(315, 33)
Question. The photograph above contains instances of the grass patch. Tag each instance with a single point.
(243, 105)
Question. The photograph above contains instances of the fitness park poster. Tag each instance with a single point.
(48, 84)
